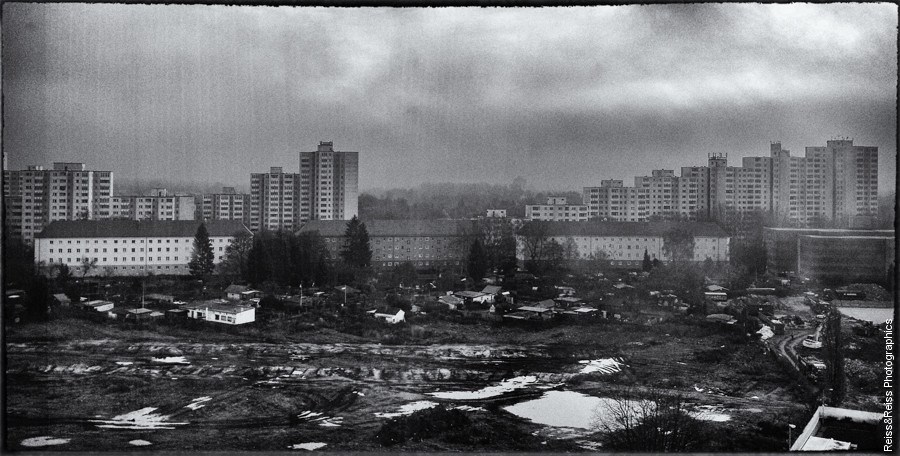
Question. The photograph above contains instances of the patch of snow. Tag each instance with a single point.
(469, 408)
(491, 391)
(336, 421)
(124, 363)
(138, 419)
(765, 333)
(307, 446)
(170, 360)
(308, 415)
(198, 403)
(139, 442)
(710, 413)
(604, 366)
(408, 409)
(43, 441)
(358, 393)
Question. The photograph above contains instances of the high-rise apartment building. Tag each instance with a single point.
(34, 197)
(329, 184)
(660, 191)
(274, 200)
(848, 193)
(614, 202)
(326, 188)
(837, 183)
(227, 205)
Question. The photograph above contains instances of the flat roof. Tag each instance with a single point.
(534, 309)
(815, 236)
(137, 228)
(827, 230)
(225, 307)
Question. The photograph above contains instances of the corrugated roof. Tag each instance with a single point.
(138, 228)
(380, 228)
(591, 228)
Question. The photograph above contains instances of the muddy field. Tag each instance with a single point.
(119, 394)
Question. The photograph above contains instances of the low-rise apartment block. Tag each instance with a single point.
(158, 205)
(556, 209)
(623, 243)
(424, 243)
(129, 247)
(833, 254)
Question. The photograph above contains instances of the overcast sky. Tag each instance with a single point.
(563, 97)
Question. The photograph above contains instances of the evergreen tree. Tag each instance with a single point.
(647, 265)
(356, 251)
(478, 261)
(257, 270)
(201, 263)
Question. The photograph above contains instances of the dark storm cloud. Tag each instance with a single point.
(564, 96)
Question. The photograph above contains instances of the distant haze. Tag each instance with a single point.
(563, 97)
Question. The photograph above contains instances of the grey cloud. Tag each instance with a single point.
(561, 96)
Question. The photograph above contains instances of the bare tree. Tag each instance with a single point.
(534, 239)
(647, 421)
(678, 245)
(87, 265)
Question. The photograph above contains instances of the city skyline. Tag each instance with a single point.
(557, 96)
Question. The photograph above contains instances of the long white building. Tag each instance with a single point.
(624, 243)
(128, 247)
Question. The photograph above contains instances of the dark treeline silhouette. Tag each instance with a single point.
(449, 200)
(287, 259)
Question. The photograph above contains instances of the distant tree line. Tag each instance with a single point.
(448, 200)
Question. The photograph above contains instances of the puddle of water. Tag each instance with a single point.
(307, 446)
(569, 409)
(604, 366)
(43, 441)
(408, 409)
(198, 403)
(138, 419)
(170, 360)
(491, 391)
(560, 409)
(872, 314)
(139, 443)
